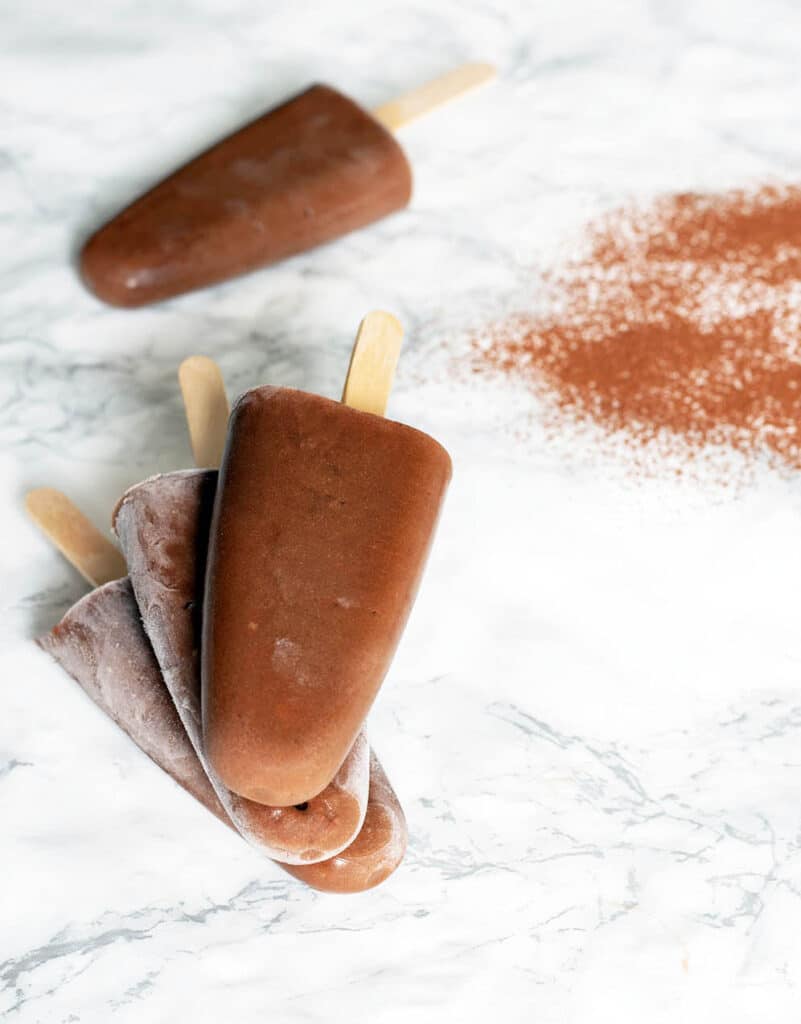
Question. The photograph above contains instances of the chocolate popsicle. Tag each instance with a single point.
(312, 169)
(322, 524)
(100, 643)
(163, 526)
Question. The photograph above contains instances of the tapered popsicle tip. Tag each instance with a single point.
(207, 409)
(373, 361)
(111, 276)
(76, 537)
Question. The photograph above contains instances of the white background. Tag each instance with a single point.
(594, 720)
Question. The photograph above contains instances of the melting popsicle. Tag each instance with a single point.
(314, 168)
(322, 524)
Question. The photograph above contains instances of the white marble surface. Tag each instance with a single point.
(595, 718)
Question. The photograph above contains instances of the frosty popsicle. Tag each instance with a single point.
(121, 661)
(306, 172)
(322, 524)
(101, 644)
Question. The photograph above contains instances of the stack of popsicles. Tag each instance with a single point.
(260, 612)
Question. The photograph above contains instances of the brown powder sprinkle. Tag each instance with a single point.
(676, 327)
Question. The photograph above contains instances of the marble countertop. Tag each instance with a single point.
(594, 721)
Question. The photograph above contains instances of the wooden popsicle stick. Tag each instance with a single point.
(83, 545)
(372, 363)
(411, 105)
(76, 537)
(207, 409)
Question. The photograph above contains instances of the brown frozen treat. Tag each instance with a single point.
(323, 520)
(163, 526)
(306, 172)
(101, 644)
(374, 854)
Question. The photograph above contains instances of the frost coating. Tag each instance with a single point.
(101, 644)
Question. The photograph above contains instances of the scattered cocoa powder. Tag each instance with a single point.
(677, 326)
